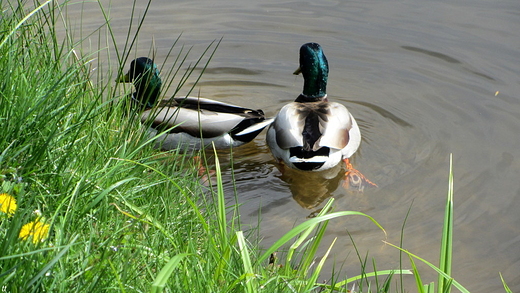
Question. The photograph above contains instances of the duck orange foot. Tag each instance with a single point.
(354, 178)
(204, 174)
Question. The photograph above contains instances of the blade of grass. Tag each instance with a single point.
(310, 253)
(117, 276)
(224, 244)
(311, 282)
(447, 235)
(25, 254)
(52, 262)
(221, 204)
(447, 285)
(506, 288)
(339, 285)
(401, 243)
(21, 22)
(162, 277)
(387, 284)
(417, 276)
(430, 288)
(305, 225)
(250, 279)
(439, 271)
(305, 234)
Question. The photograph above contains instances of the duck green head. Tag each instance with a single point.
(144, 74)
(315, 70)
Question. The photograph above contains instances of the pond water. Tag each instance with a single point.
(423, 78)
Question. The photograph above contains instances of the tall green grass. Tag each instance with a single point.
(123, 216)
(68, 152)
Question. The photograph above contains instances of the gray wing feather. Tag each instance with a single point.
(336, 134)
(289, 126)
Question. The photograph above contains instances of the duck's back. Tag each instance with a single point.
(313, 125)
(313, 135)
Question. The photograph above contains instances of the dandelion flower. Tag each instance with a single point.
(7, 204)
(37, 229)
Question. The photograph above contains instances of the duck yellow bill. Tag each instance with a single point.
(123, 78)
(298, 71)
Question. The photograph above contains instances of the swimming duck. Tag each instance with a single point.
(311, 133)
(191, 122)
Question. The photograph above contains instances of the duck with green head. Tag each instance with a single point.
(311, 133)
(189, 122)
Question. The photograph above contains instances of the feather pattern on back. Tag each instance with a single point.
(313, 125)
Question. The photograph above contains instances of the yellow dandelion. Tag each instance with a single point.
(38, 230)
(7, 204)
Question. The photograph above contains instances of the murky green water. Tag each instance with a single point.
(421, 78)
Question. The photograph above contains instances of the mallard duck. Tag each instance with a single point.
(311, 133)
(190, 122)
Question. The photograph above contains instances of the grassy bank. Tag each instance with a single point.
(88, 205)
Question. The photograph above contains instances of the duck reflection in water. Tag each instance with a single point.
(310, 189)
